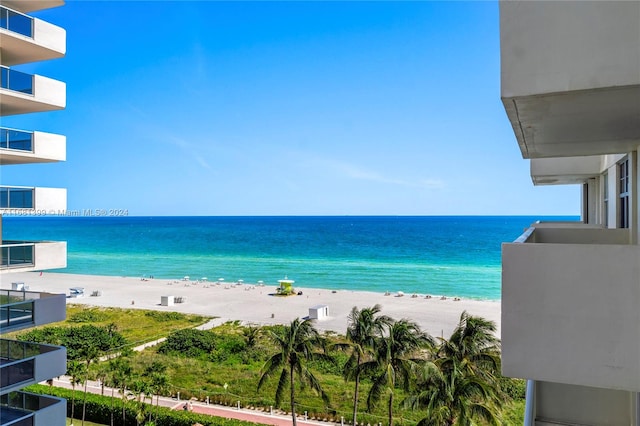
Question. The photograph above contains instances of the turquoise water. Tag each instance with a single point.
(450, 255)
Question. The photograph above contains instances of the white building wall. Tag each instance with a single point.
(569, 45)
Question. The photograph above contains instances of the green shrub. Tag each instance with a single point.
(88, 315)
(165, 316)
(190, 343)
(515, 388)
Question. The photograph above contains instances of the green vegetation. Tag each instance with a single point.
(98, 409)
(444, 382)
(137, 326)
(297, 345)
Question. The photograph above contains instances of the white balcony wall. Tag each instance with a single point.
(570, 312)
(48, 95)
(50, 200)
(48, 41)
(50, 146)
(580, 405)
(50, 91)
(49, 255)
(50, 36)
(47, 147)
(549, 47)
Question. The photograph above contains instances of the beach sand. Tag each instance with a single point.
(254, 304)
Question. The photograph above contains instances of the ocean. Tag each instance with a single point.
(437, 255)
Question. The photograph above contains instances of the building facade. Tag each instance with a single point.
(23, 40)
(570, 85)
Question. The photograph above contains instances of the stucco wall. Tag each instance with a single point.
(559, 46)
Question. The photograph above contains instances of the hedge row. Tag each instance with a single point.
(98, 410)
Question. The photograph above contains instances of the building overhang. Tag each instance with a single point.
(576, 123)
(565, 170)
(48, 42)
(31, 5)
(48, 95)
(570, 76)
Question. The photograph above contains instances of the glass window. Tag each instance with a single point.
(623, 169)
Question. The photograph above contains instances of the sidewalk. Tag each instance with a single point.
(275, 419)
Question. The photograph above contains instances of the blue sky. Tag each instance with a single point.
(292, 108)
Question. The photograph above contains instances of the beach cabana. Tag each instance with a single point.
(319, 312)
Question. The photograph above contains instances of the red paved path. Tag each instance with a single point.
(256, 417)
(198, 407)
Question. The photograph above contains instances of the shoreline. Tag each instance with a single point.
(254, 304)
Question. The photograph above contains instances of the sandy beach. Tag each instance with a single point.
(255, 304)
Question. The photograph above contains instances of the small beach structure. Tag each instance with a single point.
(76, 292)
(319, 312)
(285, 286)
(19, 287)
(167, 300)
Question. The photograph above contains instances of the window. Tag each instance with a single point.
(605, 192)
(623, 169)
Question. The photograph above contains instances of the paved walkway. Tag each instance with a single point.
(276, 419)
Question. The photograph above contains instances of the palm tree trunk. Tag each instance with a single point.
(73, 400)
(293, 402)
(391, 409)
(123, 390)
(355, 392)
(84, 399)
(112, 402)
(355, 398)
(157, 405)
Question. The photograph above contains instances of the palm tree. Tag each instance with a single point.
(364, 329)
(472, 346)
(75, 370)
(397, 355)
(297, 344)
(454, 398)
(155, 373)
(460, 384)
(121, 375)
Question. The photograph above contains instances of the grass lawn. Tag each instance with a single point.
(136, 325)
(77, 422)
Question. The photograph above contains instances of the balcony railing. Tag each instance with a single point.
(16, 139)
(16, 22)
(25, 363)
(17, 307)
(17, 254)
(23, 409)
(16, 80)
(17, 361)
(12, 197)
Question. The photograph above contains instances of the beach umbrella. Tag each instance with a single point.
(204, 278)
(186, 278)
